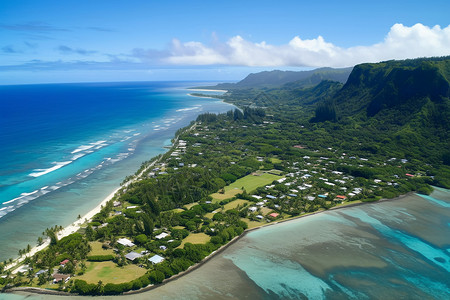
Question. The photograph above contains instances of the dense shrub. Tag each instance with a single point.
(100, 257)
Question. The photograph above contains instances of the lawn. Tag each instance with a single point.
(235, 203)
(265, 211)
(96, 249)
(251, 182)
(195, 238)
(178, 227)
(188, 206)
(109, 272)
(230, 193)
(211, 214)
(275, 160)
(253, 224)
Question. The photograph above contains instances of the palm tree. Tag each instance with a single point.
(30, 275)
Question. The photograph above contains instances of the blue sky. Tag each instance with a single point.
(72, 41)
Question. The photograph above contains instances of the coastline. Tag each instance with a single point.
(201, 96)
(206, 90)
(35, 290)
(87, 217)
(74, 227)
(77, 224)
(247, 231)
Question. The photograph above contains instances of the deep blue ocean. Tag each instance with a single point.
(65, 147)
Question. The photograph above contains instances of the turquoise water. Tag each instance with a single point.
(389, 250)
(65, 147)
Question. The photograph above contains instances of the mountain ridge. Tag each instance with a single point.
(276, 78)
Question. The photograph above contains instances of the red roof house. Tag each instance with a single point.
(274, 215)
(64, 262)
(341, 197)
(409, 175)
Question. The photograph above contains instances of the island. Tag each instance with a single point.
(286, 151)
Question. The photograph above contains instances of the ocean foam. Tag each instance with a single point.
(87, 147)
(58, 165)
(77, 156)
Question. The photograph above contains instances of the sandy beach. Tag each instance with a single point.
(65, 231)
(75, 226)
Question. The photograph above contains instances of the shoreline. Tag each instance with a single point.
(67, 230)
(77, 224)
(206, 90)
(206, 97)
(247, 231)
(35, 290)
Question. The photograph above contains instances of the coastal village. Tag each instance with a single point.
(148, 233)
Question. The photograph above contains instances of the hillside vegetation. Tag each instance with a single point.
(394, 108)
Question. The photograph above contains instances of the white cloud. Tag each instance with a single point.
(400, 43)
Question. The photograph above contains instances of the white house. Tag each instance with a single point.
(125, 242)
(161, 236)
(156, 259)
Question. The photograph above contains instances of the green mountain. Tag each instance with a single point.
(395, 108)
(300, 79)
(405, 86)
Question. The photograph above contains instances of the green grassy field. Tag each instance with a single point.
(188, 206)
(227, 195)
(195, 238)
(109, 272)
(275, 160)
(253, 224)
(235, 203)
(96, 249)
(251, 182)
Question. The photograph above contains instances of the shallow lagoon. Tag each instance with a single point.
(390, 250)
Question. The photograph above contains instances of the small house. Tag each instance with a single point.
(252, 209)
(64, 262)
(156, 259)
(40, 272)
(340, 197)
(125, 242)
(274, 215)
(161, 236)
(132, 255)
(60, 277)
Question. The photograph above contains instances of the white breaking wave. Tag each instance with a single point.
(58, 165)
(87, 147)
(77, 156)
